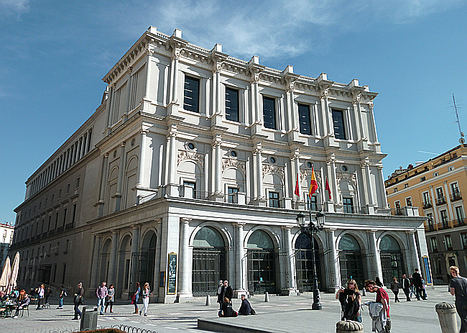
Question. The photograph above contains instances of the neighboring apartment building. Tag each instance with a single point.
(6, 237)
(185, 175)
(436, 187)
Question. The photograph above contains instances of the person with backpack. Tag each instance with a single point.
(61, 296)
(458, 288)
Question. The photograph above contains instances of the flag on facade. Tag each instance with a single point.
(297, 188)
(313, 183)
(328, 189)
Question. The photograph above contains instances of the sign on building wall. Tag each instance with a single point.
(426, 266)
(172, 274)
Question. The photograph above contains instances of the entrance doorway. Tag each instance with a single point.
(261, 264)
(391, 259)
(304, 263)
(350, 259)
(209, 263)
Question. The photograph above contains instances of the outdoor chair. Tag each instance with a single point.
(24, 308)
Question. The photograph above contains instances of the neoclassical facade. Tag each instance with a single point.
(185, 174)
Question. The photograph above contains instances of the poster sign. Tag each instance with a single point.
(172, 274)
(426, 266)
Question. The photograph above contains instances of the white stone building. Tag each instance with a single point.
(185, 175)
(6, 238)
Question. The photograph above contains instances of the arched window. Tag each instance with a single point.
(350, 259)
(261, 263)
(304, 263)
(209, 263)
(391, 259)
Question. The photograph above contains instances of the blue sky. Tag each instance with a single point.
(53, 55)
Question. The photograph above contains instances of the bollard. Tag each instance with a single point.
(88, 320)
(208, 300)
(447, 317)
(266, 296)
(345, 326)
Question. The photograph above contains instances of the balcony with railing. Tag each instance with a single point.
(427, 204)
(456, 196)
(440, 200)
(405, 211)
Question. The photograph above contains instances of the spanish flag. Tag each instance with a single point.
(313, 183)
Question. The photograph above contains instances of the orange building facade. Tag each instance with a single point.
(436, 188)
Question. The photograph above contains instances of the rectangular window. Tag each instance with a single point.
(64, 273)
(304, 118)
(439, 193)
(460, 215)
(233, 194)
(426, 199)
(348, 205)
(274, 199)
(448, 242)
(231, 104)
(313, 201)
(74, 214)
(338, 121)
(430, 221)
(464, 240)
(269, 112)
(191, 94)
(408, 201)
(444, 218)
(190, 187)
(434, 244)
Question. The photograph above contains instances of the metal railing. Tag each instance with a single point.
(427, 204)
(456, 196)
(440, 200)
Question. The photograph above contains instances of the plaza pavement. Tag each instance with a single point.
(280, 314)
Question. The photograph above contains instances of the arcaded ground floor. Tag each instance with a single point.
(281, 314)
(183, 249)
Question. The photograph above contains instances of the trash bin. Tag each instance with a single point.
(345, 326)
(447, 317)
(88, 320)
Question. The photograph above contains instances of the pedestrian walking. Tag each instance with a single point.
(395, 289)
(61, 296)
(48, 292)
(145, 296)
(381, 321)
(351, 300)
(40, 296)
(220, 299)
(78, 300)
(406, 286)
(135, 297)
(101, 293)
(245, 308)
(418, 284)
(458, 288)
(110, 298)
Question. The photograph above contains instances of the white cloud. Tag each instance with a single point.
(272, 28)
(17, 7)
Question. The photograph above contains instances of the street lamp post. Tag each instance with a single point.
(310, 229)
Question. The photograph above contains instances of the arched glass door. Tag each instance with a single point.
(209, 264)
(304, 263)
(261, 263)
(146, 260)
(391, 259)
(350, 259)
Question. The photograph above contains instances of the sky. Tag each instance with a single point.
(53, 55)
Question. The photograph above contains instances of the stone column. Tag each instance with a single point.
(332, 180)
(357, 116)
(113, 258)
(95, 262)
(172, 186)
(174, 76)
(142, 159)
(331, 256)
(326, 114)
(413, 250)
(184, 287)
(259, 174)
(218, 191)
(121, 174)
(135, 236)
(239, 259)
(290, 286)
(100, 202)
(375, 259)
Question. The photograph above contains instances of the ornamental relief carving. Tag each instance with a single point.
(305, 173)
(274, 169)
(351, 178)
(233, 163)
(190, 155)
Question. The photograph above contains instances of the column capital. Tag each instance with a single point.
(410, 232)
(239, 224)
(286, 227)
(324, 93)
(185, 220)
